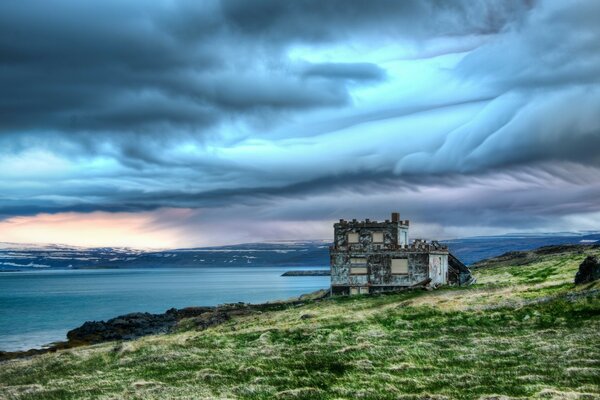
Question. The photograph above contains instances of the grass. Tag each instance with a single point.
(523, 331)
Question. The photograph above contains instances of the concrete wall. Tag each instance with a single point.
(369, 234)
(362, 255)
(378, 268)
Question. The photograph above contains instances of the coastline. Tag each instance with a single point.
(135, 325)
(138, 324)
(43, 305)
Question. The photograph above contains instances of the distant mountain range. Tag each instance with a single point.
(471, 250)
(23, 257)
(287, 253)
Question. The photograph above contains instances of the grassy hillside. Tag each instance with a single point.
(523, 331)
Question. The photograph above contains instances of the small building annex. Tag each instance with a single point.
(370, 256)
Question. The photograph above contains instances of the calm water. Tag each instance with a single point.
(39, 307)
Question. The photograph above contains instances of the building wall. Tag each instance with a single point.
(378, 268)
(365, 231)
(363, 253)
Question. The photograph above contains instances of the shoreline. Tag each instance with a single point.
(138, 324)
(134, 325)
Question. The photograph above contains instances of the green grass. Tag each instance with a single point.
(523, 331)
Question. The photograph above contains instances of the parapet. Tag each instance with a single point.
(368, 223)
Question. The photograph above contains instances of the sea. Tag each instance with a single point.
(39, 307)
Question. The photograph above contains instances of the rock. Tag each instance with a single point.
(127, 326)
(134, 325)
(589, 270)
(190, 312)
(210, 319)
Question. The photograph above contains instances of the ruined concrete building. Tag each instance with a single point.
(370, 256)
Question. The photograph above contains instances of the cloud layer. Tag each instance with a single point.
(467, 116)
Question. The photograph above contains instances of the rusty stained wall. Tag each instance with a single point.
(379, 269)
(365, 229)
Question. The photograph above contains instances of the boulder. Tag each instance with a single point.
(589, 270)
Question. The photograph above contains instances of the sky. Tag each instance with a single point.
(178, 123)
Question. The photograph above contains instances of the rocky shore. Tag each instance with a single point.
(135, 325)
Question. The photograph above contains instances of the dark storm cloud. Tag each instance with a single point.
(313, 20)
(352, 71)
(512, 199)
(262, 104)
(115, 66)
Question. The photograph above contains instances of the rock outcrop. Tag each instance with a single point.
(589, 270)
(131, 326)
(134, 325)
